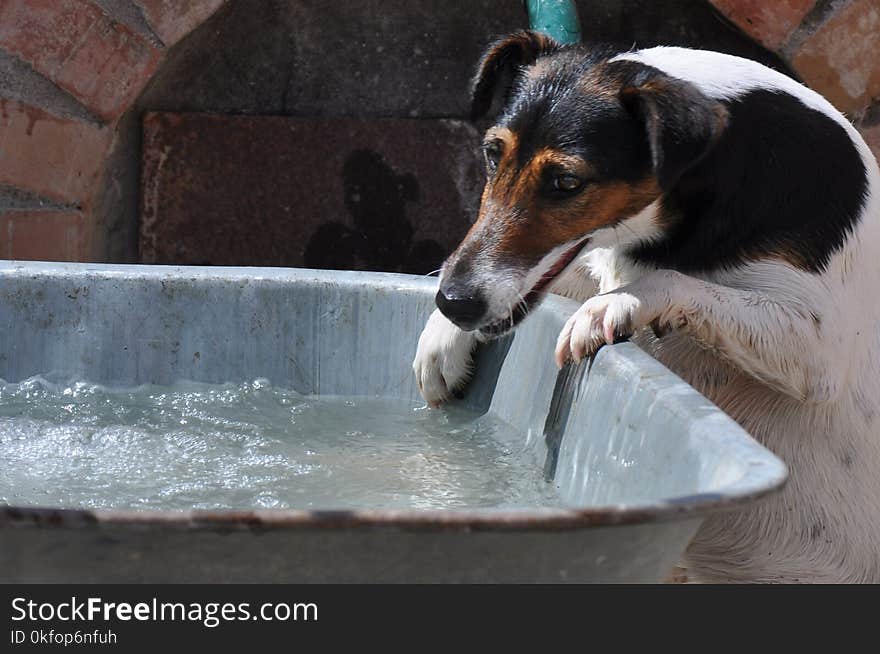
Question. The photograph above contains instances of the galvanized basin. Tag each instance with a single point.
(640, 458)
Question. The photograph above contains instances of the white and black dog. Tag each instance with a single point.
(732, 212)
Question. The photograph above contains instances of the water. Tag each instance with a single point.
(253, 445)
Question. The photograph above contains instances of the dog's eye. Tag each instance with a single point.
(493, 155)
(567, 183)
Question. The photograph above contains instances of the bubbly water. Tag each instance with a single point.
(194, 445)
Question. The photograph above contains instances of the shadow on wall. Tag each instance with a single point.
(382, 237)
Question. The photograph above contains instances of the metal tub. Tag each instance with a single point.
(640, 457)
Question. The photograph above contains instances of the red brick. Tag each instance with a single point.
(840, 60)
(769, 23)
(55, 157)
(73, 43)
(43, 235)
(45, 33)
(174, 19)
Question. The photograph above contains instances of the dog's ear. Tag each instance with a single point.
(500, 63)
(681, 123)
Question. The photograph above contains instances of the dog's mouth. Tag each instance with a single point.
(534, 296)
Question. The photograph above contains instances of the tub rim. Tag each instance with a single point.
(542, 519)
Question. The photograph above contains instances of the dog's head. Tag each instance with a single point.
(582, 144)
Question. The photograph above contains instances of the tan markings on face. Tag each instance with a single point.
(508, 138)
(600, 204)
(517, 223)
(504, 177)
(526, 185)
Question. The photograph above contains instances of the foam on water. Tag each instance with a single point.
(194, 445)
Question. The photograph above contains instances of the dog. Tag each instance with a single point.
(727, 219)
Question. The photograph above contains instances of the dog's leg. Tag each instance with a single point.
(443, 362)
(777, 340)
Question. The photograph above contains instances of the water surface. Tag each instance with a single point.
(254, 445)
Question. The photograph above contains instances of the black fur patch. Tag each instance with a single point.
(783, 180)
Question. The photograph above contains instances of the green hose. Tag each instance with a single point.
(556, 18)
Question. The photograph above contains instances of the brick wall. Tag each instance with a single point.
(69, 69)
(71, 72)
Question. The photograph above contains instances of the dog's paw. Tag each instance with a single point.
(605, 319)
(443, 359)
(601, 320)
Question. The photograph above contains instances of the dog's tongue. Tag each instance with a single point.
(566, 258)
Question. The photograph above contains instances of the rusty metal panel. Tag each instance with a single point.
(392, 195)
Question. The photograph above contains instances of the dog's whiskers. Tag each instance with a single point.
(522, 304)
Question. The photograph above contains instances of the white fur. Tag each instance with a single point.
(443, 358)
(792, 356)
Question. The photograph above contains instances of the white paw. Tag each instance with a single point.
(443, 359)
(604, 319)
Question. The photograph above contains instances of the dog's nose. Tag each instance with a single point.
(464, 308)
